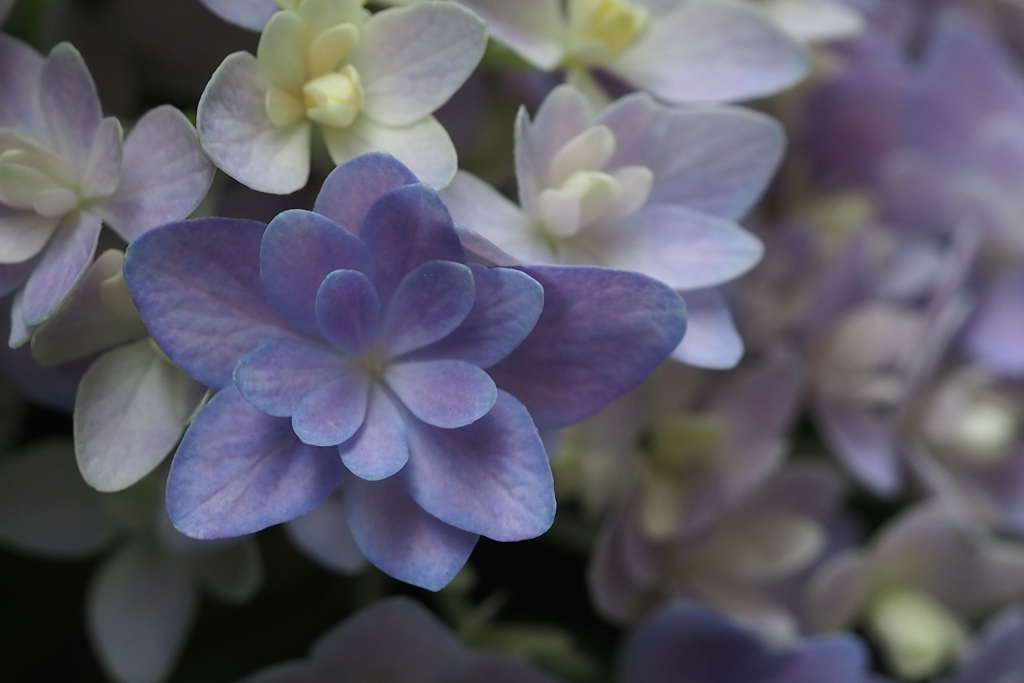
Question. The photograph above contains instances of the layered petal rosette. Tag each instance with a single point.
(379, 359)
(65, 170)
(642, 187)
(369, 82)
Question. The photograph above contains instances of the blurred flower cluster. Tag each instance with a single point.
(538, 341)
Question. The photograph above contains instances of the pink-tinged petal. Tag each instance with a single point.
(429, 304)
(411, 60)
(45, 507)
(711, 339)
(600, 334)
(506, 306)
(333, 411)
(395, 639)
(140, 609)
(20, 70)
(863, 443)
(324, 536)
(714, 160)
(479, 207)
(102, 172)
(277, 375)
(240, 138)
(70, 104)
(97, 315)
(239, 470)
(399, 538)
(443, 393)
(348, 311)
(995, 335)
(60, 266)
(491, 478)
(300, 249)
(380, 447)
(132, 407)
(164, 174)
(685, 249)
(350, 189)
(197, 286)
(250, 14)
(533, 28)
(423, 146)
(23, 234)
(712, 52)
(404, 229)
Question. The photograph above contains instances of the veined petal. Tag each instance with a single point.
(379, 448)
(350, 189)
(398, 537)
(429, 304)
(412, 59)
(348, 311)
(164, 174)
(250, 14)
(20, 70)
(533, 28)
(423, 146)
(600, 334)
(277, 375)
(70, 105)
(240, 138)
(711, 339)
(684, 249)
(443, 393)
(299, 250)
(197, 286)
(131, 408)
(239, 470)
(333, 410)
(61, 265)
(711, 52)
(491, 478)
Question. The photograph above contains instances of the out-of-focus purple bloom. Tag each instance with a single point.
(927, 574)
(684, 643)
(64, 170)
(387, 350)
(399, 641)
(324, 537)
(642, 187)
(997, 656)
(143, 599)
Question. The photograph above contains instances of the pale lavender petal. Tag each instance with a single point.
(404, 229)
(837, 591)
(479, 207)
(429, 304)
(51, 387)
(239, 470)
(350, 189)
(46, 508)
(333, 410)
(197, 286)
(761, 403)
(600, 334)
(711, 339)
(380, 447)
(411, 60)
(711, 52)
(863, 443)
(164, 174)
(348, 311)
(717, 160)
(685, 249)
(277, 375)
(490, 478)
(443, 393)
(20, 70)
(102, 172)
(533, 28)
(324, 536)
(399, 538)
(251, 14)
(563, 115)
(62, 263)
(506, 306)
(132, 407)
(618, 594)
(837, 659)
(140, 609)
(995, 335)
(69, 104)
(240, 138)
(300, 249)
(23, 234)
(13, 274)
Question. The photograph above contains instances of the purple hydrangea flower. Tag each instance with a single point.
(65, 170)
(380, 359)
(998, 654)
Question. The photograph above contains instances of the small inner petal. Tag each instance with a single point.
(331, 47)
(334, 99)
(588, 151)
(54, 202)
(284, 108)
